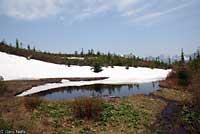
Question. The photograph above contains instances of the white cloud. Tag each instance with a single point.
(78, 10)
(157, 14)
(30, 9)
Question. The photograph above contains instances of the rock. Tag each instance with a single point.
(1, 78)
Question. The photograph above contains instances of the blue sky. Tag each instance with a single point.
(143, 27)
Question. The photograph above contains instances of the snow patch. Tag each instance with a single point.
(15, 67)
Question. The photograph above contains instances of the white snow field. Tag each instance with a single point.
(15, 67)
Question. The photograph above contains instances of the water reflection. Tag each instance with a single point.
(99, 90)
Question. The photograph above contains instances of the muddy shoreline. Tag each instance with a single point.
(15, 87)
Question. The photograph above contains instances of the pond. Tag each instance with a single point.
(99, 90)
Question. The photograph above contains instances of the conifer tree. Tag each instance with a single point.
(97, 68)
(169, 61)
(190, 58)
(17, 43)
(28, 47)
(76, 53)
(34, 49)
(21, 45)
(82, 52)
(182, 56)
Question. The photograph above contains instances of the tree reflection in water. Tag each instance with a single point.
(98, 90)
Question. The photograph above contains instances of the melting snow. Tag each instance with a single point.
(15, 67)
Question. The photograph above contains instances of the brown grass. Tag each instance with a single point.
(3, 88)
(196, 90)
(87, 108)
(32, 103)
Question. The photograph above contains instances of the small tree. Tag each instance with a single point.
(28, 47)
(75, 52)
(183, 76)
(17, 43)
(97, 68)
(34, 49)
(82, 52)
(98, 53)
(190, 58)
(3, 42)
(169, 61)
(198, 54)
(182, 56)
(21, 45)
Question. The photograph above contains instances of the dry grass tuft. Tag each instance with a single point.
(32, 103)
(87, 108)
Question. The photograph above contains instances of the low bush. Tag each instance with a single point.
(183, 76)
(191, 119)
(87, 108)
(123, 114)
(32, 103)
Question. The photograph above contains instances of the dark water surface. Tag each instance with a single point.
(99, 90)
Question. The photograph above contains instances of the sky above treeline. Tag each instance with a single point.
(142, 27)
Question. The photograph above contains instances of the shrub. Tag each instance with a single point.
(32, 103)
(87, 108)
(183, 77)
(97, 68)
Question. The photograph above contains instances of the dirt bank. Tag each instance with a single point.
(17, 86)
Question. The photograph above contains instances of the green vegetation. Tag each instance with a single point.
(183, 77)
(134, 114)
(103, 115)
(52, 110)
(190, 118)
(182, 57)
(124, 113)
(97, 68)
(17, 43)
(90, 58)
(186, 76)
(84, 130)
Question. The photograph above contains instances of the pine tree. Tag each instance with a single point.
(82, 52)
(182, 56)
(169, 61)
(97, 68)
(92, 51)
(76, 53)
(34, 49)
(17, 43)
(28, 47)
(21, 45)
(98, 53)
(190, 58)
(198, 54)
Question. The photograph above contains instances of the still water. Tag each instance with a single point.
(99, 90)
